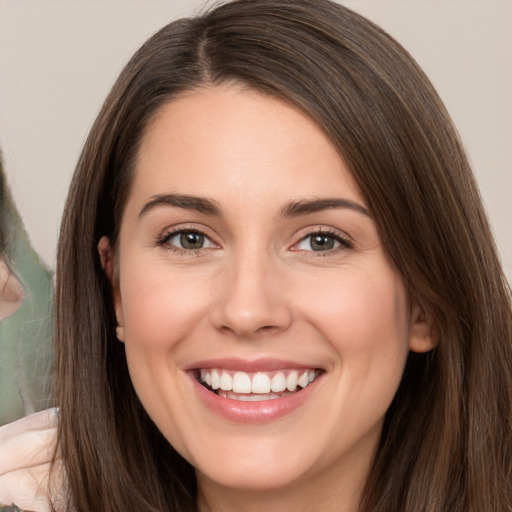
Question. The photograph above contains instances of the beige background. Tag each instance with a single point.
(58, 59)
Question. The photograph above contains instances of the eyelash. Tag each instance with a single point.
(344, 244)
(163, 241)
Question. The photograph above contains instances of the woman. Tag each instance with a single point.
(26, 317)
(11, 290)
(276, 286)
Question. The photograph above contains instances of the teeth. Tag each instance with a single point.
(241, 383)
(260, 383)
(226, 381)
(303, 380)
(291, 381)
(278, 382)
(252, 397)
(215, 379)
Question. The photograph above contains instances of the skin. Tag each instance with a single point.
(258, 290)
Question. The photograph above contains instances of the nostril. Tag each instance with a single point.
(267, 328)
(258, 331)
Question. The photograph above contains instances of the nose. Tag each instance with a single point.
(251, 299)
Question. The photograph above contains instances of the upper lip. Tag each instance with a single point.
(249, 365)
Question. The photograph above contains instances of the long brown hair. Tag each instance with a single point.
(446, 443)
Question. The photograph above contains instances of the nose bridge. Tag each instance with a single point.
(251, 300)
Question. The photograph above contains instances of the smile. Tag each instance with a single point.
(258, 386)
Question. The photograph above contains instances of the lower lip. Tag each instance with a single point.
(253, 412)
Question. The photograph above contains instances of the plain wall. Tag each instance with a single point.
(58, 59)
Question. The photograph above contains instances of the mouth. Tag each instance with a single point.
(255, 386)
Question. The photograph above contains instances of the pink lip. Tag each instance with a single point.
(249, 366)
(251, 412)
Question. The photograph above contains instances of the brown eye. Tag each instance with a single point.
(320, 242)
(191, 240)
(186, 240)
(323, 242)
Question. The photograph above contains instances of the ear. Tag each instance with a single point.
(422, 335)
(107, 258)
(12, 293)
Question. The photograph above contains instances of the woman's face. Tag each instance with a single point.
(248, 259)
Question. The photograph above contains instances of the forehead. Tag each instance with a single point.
(227, 138)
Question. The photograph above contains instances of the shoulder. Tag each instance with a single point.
(26, 451)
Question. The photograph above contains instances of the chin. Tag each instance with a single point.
(253, 477)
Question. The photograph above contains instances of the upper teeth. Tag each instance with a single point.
(260, 382)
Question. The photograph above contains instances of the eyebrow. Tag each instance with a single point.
(211, 207)
(304, 207)
(194, 203)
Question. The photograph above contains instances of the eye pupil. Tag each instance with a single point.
(322, 242)
(191, 240)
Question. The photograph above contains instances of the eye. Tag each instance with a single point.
(187, 239)
(322, 242)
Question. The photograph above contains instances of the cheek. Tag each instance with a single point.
(160, 307)
(364, 316)
(359, 307)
